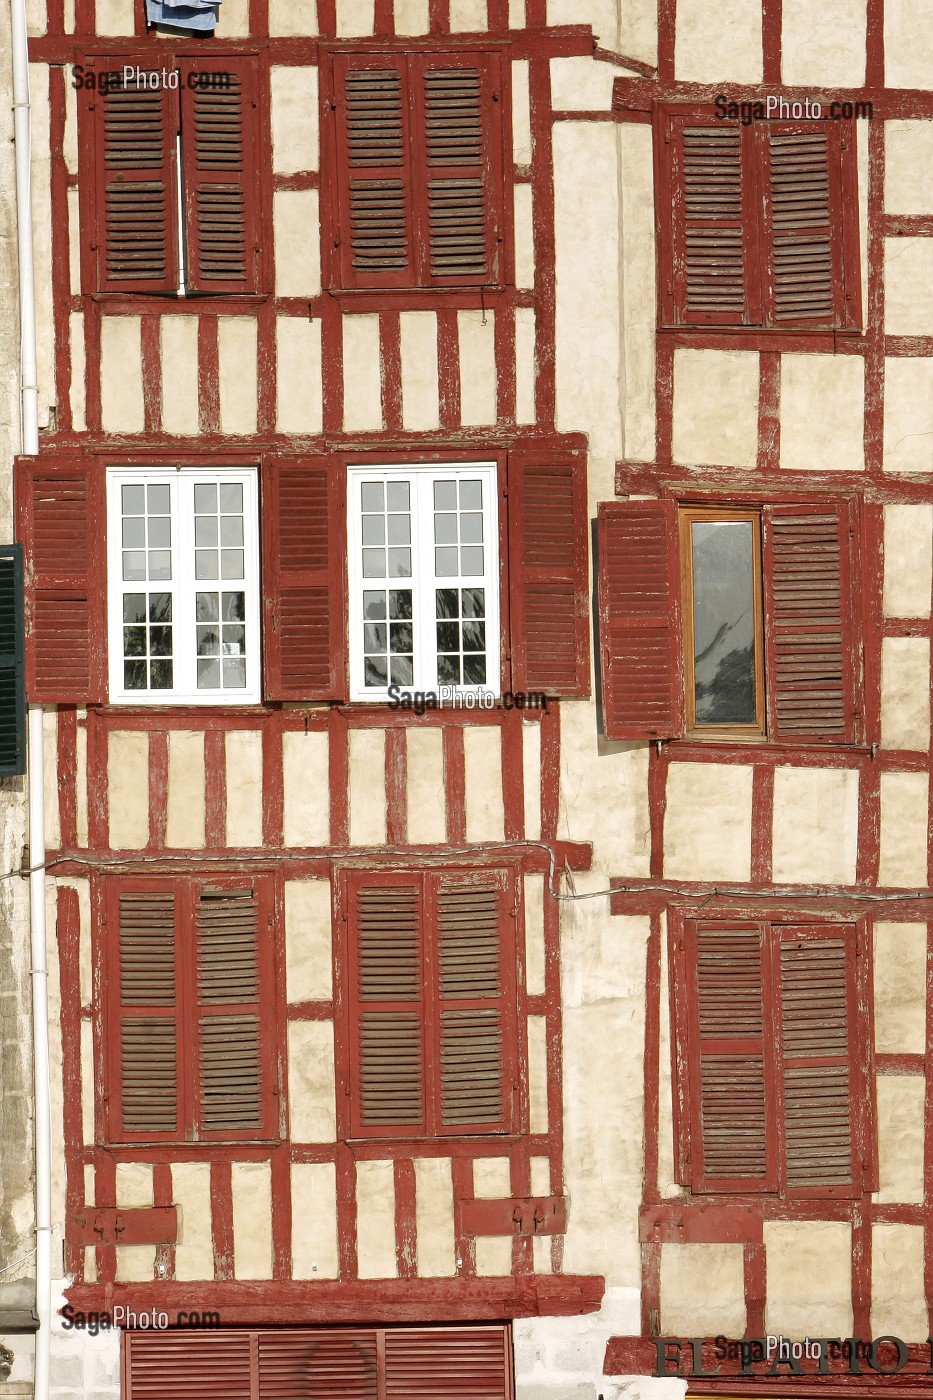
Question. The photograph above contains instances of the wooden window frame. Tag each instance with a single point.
(757, 317)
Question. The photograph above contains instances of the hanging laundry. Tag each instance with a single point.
(198, 15)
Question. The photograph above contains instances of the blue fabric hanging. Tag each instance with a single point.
(199, 15)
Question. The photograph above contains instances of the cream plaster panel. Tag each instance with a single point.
(76, 333)
(191, 1192)
(185, 822)
(638, 30)
(516, 14)
(603, 15)
(534, 934)
(427, 821)
(861, 151)
(412, 16)
(482, 751)
(179, 335)
(87, 1081)
(362, 373)
(611, 779)
(299, 391)
(53, 830)
(899, 970)
(287, 17)
(233, 20)
(121, 375)
(908, 43)
(89, 1181)
(715, 407)
(702, 1289)
(81, 785)
(314, 1220)
(69, 8)
(908, 148)
(905, 693)
(900, 1137)
(581, 85)
(355, 18)
(815, 825)
(638, 296)
(823, 45)
(135, 1263)
(115, 17)
(375, 1219)
(718, 39)
(85, 970)
(295, 132)
(524, 237)
(74, 242)
(244, 787)
(56, 1078)
(305, 760)
(36, 18)
(311, 1092)
(908, 414)
(434, 1217)
(90, 1254)
(537, 1074)
(420, 403)
(908, 286)
(492, 1178)
(708, 825)
(297, 223)
(521, 113)
(524, 364)
(540, 1176)
(904, 811)
(252, 1219)
(236, 346)
(493, 1256)
(809, 1278)
(898, 1304)
(468, 16)
(308, 947)
(531, 778)
(128, 789)
(588, 317)
(134, 1185)
(477, 336)
(908, 560)
(40, 177)
(367, 787)
(822, 413)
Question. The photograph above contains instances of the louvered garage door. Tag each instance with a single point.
(400, 1363)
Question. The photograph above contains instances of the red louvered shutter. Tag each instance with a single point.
(304, 565)
(60, 521)
(147, 1046)
(219, 151)
(731, 1096)
(810, 634)
(179, 1364)
(459, 1363)
(640, 641)
(131, 229)
(329, 1362)
(548, 575)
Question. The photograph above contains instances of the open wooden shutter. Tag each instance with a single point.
(640, 641)
(229, 1014)
(338, 1362)
(816, 977)
(148, 1014)
(387, 974)
(810, 642)
(304, 580)
(548, 576)
(460, 1363)
(177, 1363)
(732, 1145)
(12, 674)
(131, 230)
(60, 520)
(374, 170)
(218, 125)
(803, 270)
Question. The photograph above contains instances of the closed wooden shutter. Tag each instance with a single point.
(801, 208)
(810, 644)
(230, 1061)
(218, 117)
(132, 227)
(458, 1363)
(641, 646)
(548, 574)
(186, 1365)
(60, 522)
(147, 997)
(340, 1363)
(304, 580)
(12, 674)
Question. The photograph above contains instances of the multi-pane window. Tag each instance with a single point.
(183, 586)
(424, 606)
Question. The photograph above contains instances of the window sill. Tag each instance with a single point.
(761, 745)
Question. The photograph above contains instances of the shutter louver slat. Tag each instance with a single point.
(12, 676)
(136, 194)
(713, 252)
(220, 211)
(148, 1042)
(375, 167)
(472, 1067)
(389, 974)
(801, 228)
(457, 1363)
(229, 1040)
(457, 205)
(335, 1364)
(186, 1366)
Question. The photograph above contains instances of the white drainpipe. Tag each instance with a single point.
(30, 445)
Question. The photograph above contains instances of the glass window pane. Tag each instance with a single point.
(160, 565)
(373, 496)
(474, 602)
(133, 500)
(159, 498)
(374, 529)
(160, 641)
(161, 675)
(234, 673)
(232, 563)
(160, 532)
(445, 529)
(374, 638)
(399, 529)
(160, 607)
(474, 636)
(399, 563)
(234, 607)
(445, 495)
(375, 671)
(374, 604)
(402, 671)
(400, 637)
(474, 669)
(446, 602)
(400, 603)
(209, 674)
(134, 675)
(471, 560)
(134, 607)
(471, 495)
(448, 636)
(231, 531)
(445, 562)
(234, 640)
(397, 496)
(134, 532)
(208, 641)
(205, 563)
(134, 641)
(374, 563)
(134, 565)
(205, 531)
(448, 670)
(471, 529)
(723, 621)
(231, 498)
(206, 609)
(205, 499)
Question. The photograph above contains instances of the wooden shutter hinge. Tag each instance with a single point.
(516, 1215)
(108, 1226)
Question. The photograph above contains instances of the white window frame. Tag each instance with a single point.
(183, 585)
(423, 581)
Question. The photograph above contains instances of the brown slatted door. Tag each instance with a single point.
(816, 979)
(447, 1363)
(732, 1145)
(218, 117)
(318, 1365)
(373, 156)
(803, 278)
(148, 1015)
(230, 1076)
(386, 956)
(178, 1365)
(810, 646)
(641, 646)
